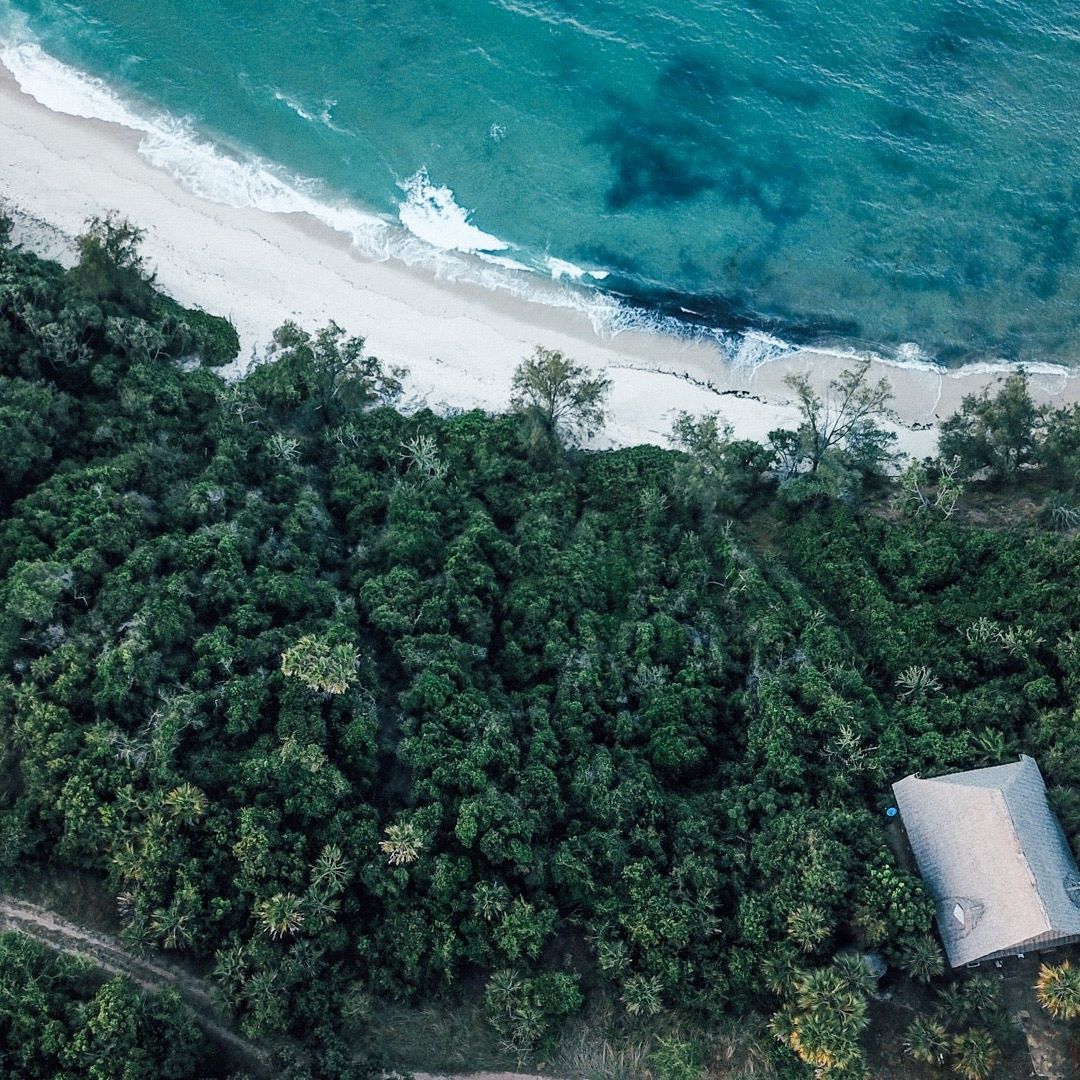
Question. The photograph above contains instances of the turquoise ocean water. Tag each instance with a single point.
(896, 174)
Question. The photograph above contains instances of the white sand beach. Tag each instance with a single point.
(459, 342)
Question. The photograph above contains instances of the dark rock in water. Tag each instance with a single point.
(727, 313)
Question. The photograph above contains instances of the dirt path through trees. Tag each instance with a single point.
(110, 956)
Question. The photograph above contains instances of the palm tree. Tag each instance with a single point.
(319, 907)
(323, 665)
(808, 926)
(819, 1040)
(186, 803)
(826, 991)
(127, 861)
(1058, 990)
(921, 958)
(403, 843)
(781, 970)
(974, 1054)
(231, 967)
(303, 957)
(982, 994)
(641, 995)
(524, 1027)
(330, 870)
(828, 1017)
(954, 1003)
(612, 956)
(265, 1000)
(503, 990)
(173, 926)
(917, 682)
(283, 449)
(852, 969)
(782, 1024)
(927, 1040)
(994, 746)
(280, 915)
(490, 899)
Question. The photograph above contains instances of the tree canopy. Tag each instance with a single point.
(1000, 433)
(559, 394)
(57, 1019)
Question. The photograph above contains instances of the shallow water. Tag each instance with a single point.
(898, 174)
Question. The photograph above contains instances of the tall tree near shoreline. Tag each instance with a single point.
(1000, 433)
(722, 472)
(552, 389)
(110, 266)
(322, 376)
(845, 418)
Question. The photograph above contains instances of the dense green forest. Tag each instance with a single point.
(359, 709)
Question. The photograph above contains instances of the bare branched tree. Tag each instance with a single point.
(847, 414)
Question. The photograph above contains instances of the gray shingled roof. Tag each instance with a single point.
(994, 858)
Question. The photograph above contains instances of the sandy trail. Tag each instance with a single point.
(152, 974)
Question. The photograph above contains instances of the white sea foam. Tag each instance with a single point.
(899, 358)
(560, 268)
(430, 212)
(325, 114)
(63, 89)
(211, 173)
(173, 144)
(534, 10)
(910, 352)
(291, 103)
(754, 348)
(503, 260)
(440, 237)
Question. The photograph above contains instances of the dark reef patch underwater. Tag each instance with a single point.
(897, 173)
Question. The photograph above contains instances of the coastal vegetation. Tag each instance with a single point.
(361, 711)
(58, 1019)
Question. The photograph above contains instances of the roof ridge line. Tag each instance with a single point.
(1000, 793)
(1020, 766)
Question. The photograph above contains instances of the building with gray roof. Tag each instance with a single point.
(994, 859)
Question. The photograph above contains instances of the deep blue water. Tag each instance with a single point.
(872, 171)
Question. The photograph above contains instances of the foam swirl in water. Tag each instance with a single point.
(430, 212)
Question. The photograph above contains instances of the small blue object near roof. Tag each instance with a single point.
(891, 812)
